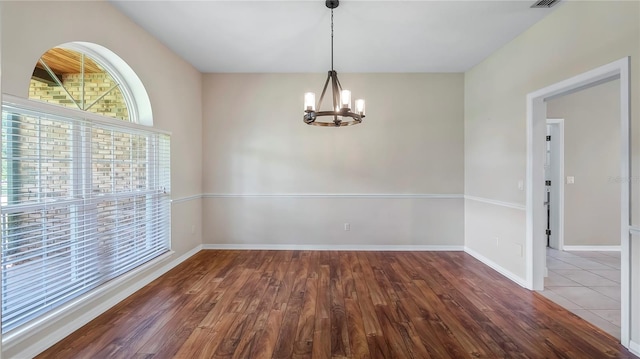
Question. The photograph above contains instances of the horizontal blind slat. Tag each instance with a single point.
(82, 202)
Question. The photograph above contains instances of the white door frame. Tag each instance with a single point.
(558, 206)
(535, 216)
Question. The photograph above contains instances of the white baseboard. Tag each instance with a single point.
(40, 344)
(334, 247)
(591, 248)
(634, 348)
(495, 266)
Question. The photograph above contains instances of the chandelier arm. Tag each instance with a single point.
(336, 94)
(339, 92)
(324, 90)
(334, 90)
(339, 85)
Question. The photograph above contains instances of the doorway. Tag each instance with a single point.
(535, 187)
(584, 276)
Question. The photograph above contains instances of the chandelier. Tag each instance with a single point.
(341, 113)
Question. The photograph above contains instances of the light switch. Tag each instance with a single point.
(571, 180)
(521, 185)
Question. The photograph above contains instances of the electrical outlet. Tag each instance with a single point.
(571, 180)
(347, 226)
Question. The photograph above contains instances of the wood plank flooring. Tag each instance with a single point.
(307, 304)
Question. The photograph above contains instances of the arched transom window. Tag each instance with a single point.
(75, 79)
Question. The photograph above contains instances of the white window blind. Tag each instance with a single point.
(83, 201)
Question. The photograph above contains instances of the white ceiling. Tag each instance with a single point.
(370, 36)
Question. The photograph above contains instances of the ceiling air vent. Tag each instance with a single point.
(544, 4)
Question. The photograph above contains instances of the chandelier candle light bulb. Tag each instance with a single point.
(341, 113)
(360, 107)
(309, 101)
(345, 99)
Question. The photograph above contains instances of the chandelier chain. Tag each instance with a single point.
(331, 39)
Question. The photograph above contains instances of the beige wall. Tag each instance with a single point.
(255, 143)
(592, 156)
(577, 37)
(28, 29)
(256, 221)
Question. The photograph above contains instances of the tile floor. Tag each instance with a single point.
(587, 284)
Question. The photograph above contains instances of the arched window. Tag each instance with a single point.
(84, 198)
(92, 78)
(74, 79)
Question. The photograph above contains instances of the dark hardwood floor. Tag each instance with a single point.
(304, 304)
